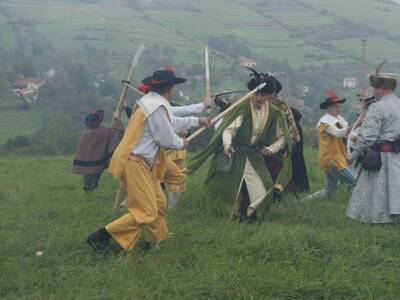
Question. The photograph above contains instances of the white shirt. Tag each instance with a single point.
(187, 110)
(158, 130)
(332, 129)
(182, 119)
(230, 131)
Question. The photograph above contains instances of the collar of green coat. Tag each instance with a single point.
(216, 145)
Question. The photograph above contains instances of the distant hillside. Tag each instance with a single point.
(314, 44)
(302, 32)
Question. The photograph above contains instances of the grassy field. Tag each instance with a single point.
(308, 251)
(291, 30)
(14, 123)
(369, 12)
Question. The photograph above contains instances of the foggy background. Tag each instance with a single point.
(61, 59)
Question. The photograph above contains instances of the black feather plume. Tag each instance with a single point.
(254, 73)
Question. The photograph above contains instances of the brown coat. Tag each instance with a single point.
(95, 148)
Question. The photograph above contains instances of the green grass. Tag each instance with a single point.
(275, 29)
(306, 252)
(377, 48)
(7, 38)
(14, 123)
(364, 12)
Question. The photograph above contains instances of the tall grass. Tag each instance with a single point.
(303, 251)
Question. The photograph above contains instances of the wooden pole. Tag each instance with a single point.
(134, 89)
(225, 112)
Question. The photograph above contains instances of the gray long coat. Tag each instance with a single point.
(376, 198)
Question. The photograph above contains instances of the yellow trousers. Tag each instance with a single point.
(174, 176)
(146, 207)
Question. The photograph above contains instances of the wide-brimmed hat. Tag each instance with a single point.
(332, 99)
(94, 119)
(162, 78)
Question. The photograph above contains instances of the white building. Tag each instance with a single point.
(28, 88)
(349, 83)
(247, 62)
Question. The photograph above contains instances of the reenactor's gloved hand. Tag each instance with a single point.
(222, 103)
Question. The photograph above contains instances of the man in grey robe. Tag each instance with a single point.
(376, 198)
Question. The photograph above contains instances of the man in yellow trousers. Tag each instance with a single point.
(140, 163)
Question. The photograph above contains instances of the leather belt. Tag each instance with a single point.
(386, 146)
(140, 159)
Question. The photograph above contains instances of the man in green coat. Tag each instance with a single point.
(238, 183)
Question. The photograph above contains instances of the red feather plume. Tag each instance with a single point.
(143, 88)
(168, 67)
(332, 95)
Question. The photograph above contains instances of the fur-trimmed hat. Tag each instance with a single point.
(278, 84)
(385, 82)
(259, 78)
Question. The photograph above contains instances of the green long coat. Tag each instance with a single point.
(221, 190)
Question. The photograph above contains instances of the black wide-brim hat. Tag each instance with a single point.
(329, 101)
(94, 119)
(163, 78)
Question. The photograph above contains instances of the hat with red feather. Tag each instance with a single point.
(94, 119)
(331, 100)
(163, 78)
(144, 88)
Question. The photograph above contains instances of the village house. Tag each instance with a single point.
(349, 82)
(247, 62)
(304, 90)
(28, 88)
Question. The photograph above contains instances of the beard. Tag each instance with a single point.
(258, 105)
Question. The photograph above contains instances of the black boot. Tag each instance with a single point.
(252, 218)
(99, 240)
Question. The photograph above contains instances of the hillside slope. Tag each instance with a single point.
(302, 32)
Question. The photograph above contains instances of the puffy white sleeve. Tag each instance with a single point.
(230, 131)
(162, 130)
(340, 133)
(280, 142)
(188, 110)
(182, 124)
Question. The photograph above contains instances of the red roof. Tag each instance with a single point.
(244, 59)
(26, 81)
(24, 91)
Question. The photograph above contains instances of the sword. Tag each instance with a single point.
(129, 86)
(229, 109)
(127, 81)
(207, 77)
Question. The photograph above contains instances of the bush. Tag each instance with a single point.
(59, 135)
(21, 141)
